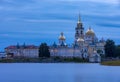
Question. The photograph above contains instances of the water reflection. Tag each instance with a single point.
(58, 73)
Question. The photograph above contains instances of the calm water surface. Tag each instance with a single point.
(58, 73)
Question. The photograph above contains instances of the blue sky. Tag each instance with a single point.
(36, 21)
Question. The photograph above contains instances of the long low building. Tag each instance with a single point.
(22, 51)
(2, 55)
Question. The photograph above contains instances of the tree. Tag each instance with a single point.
(44, 50)
(117, 51)
(100, 52)
(110, 48)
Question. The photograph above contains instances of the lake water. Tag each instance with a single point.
(58, 73)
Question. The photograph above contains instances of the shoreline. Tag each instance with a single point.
(111, 63)
(44, 60)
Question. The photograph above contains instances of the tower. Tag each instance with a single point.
(62, 40)
(79, 30)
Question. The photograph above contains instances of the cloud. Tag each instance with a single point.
(8, 19)
(7, 1)
(4, 35)
(40, 21)
(98, 1)
(109, 24)
(36, 19)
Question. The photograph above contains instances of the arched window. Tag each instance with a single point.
(81, 32)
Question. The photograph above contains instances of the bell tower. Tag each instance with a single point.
(79, 30)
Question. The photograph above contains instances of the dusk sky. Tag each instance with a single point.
(36, 21)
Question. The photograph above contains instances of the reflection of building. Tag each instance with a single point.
(85, 44)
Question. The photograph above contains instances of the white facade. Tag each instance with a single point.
(65, 52)
(28, 51)
(84, 46)
(2, 54)
(95, 57)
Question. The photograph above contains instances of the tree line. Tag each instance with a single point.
(111, 50)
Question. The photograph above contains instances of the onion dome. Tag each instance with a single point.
(80, 40)
(62, 37)
(90, 32)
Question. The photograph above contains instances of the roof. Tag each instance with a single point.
(62, 37)
(80, 40)
(22, 47)
(90, 32)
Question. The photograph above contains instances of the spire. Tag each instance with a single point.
(61, 33)
(24, 45)
(102, 39)
(89, 27)
(18, 46)
(79, 19)
(54, 45)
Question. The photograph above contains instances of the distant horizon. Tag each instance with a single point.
(37, 21)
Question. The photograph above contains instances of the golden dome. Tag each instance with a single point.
(80, 40)
(90, 32)
(62, 37)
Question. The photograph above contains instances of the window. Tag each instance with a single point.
(81, 32)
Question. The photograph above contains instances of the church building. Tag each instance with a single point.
(86, 45)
